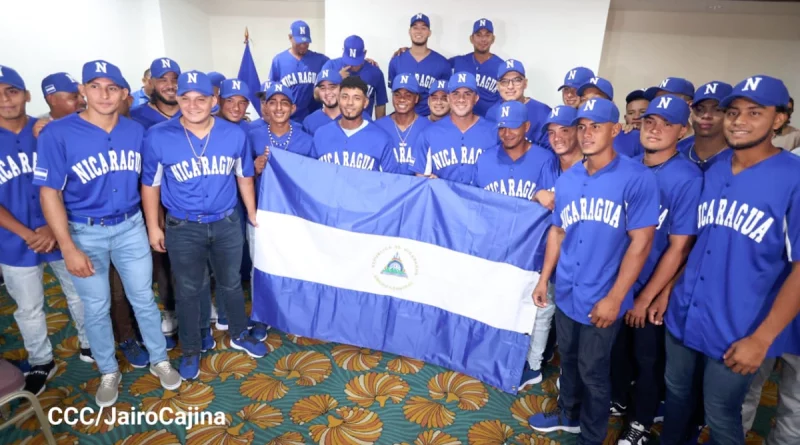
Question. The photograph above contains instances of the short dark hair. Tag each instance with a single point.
(354, 82)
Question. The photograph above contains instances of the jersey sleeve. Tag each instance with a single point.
(51, 161)
(445, 69)
(556, 218)
(792, 227)
(152, 166)
(683, 214)
(380, 91)
(641, 201)
(420, 153)
(392, 71)
(246, 166)
(274, 70)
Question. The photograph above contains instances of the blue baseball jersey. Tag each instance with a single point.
(686, 143)
(404, 143)
(537, 116)
(686, 147)
(301, 76)
(629, 144)
(370, 148)
(259, 139)
(485, 74)
(748, 236)
(20, 197)
(313, 121)
(98, 172)
(679, 185)
(448, 153)
(372, 76)
(148, 117)
(256, 124)
(199, 182)
(497, 172)
(597, 212)
(434, 66)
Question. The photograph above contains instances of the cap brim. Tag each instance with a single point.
(353, 61)
(196, 90)
(510, 124)
(404, 88)
(302, 39)
(728, 100)
(666, 118)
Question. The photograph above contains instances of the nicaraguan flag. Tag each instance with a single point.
(249, 75)
(422, 268)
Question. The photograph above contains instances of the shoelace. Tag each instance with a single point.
(553, 413)
(108, 380)
(632, 434)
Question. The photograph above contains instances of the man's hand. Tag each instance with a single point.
(546, 198)
(540, 294)
(46, 240)
(400, 51)
(345, 71)
(637, 317)
(78, 263)
(261, 162)
(371, 62)
(604, 313)
(156, 236)
(39, 126)
(657, 309)
(746, 355)
(252, 217)
(627, 128)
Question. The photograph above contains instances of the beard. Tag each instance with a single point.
(747, 145)
(159, 98)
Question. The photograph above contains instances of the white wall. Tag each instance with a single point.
(642, 47)
(533, 31)
(186, 35)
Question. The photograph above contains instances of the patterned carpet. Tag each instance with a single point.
(304, 391)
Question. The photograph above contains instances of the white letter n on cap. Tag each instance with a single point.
(509, 64)
(237, 85)
(572, 74)
(165, 63)
(403, 79)
(751, 84)
(711, 88)
(100, 67)
(462, 78)
(504, 111)
(192, 77)
(483, 22)
(353, 52)
(554, 112)
(302, 30)
(663, 102)
(594, 80)
(589, 105)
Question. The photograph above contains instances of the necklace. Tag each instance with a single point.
(407, 131)
(168, 116)
(660, 166)
(275, 143)
(698, 161)
(204, 146)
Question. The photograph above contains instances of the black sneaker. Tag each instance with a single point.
(618, 409)
(36, 380)
(634, 434)
(86, 355)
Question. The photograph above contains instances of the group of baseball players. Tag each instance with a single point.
(669, 271)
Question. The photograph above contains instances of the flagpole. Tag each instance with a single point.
(246, 35)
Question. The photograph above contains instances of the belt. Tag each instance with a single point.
(202, 218)
(105, 220)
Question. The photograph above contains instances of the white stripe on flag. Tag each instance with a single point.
(494, 293)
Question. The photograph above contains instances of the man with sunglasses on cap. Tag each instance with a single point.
(707, 121)
(482, 64)
(438, 103)
(404, 125)
(572, 81)
(354, 63)
(88, 169)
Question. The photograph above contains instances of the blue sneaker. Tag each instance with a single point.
(259, 332)
(221, 324)
(251, 323)
(171, 342)
(190, 367)
(247, 343)
(133, 352)
(554, 420)
(208, 341)
(529, 377)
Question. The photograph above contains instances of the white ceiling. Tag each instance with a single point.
(784, 7)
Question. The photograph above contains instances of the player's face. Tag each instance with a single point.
(234, 108)
(634, 112)
(419, 33)
(563, 139)
(682, 96)
(279, 108)
(462, 101)
(707, 118)
(352, 102)
(512, 86)
(439, 104)
(595, 138)
(482, 41)
(513, 137)
(404, 101)
(570, 97)
(299, 48)
(748, 124)
(12, 102)
(64, 103)
(329, 94)
(195, 107)
(658, 134)
(165, 88)
(592, 93)
(103, 96)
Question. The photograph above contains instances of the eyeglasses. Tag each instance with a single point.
(517, 81)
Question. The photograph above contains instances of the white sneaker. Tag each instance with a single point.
(213, 317)
(108, 391)
(169, 377)
(635, 434)
(169, 323)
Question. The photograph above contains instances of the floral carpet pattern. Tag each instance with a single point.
(304, 391)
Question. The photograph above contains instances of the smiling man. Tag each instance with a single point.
(233, 95)
(572, 81)
(482, 64)
(438, 103)
(404, 125)
(163, 103)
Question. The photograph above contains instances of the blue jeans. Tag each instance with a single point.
(191, 246)
(127, 246)
(585, 375)
(541, 331)
(723, 395)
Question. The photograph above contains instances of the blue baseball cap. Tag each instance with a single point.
(162, 66)
(197, 81)
(10, 76)
(264, 88)
(438, 85)
(233, 87)
(420, 18)
(764, 90)
(714, 90)
(636, 95)
(216, 78)
(562, 115)
(97, 69)
(279, 88)
(671, 107)
(59, 82)
(576, 77)
(482, 24)
(673, 85)
(599, 111)
(126, 86)
(301, 32)
(601, 84)
(354, 53)
(462, 79)
(405, 81)
(332, 76)
(511, 114)
(510, 65)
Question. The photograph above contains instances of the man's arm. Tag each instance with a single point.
(380, 111)
(151, 204)
(555, 237)
(77, 262)
(12, 224)
(248, 192)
